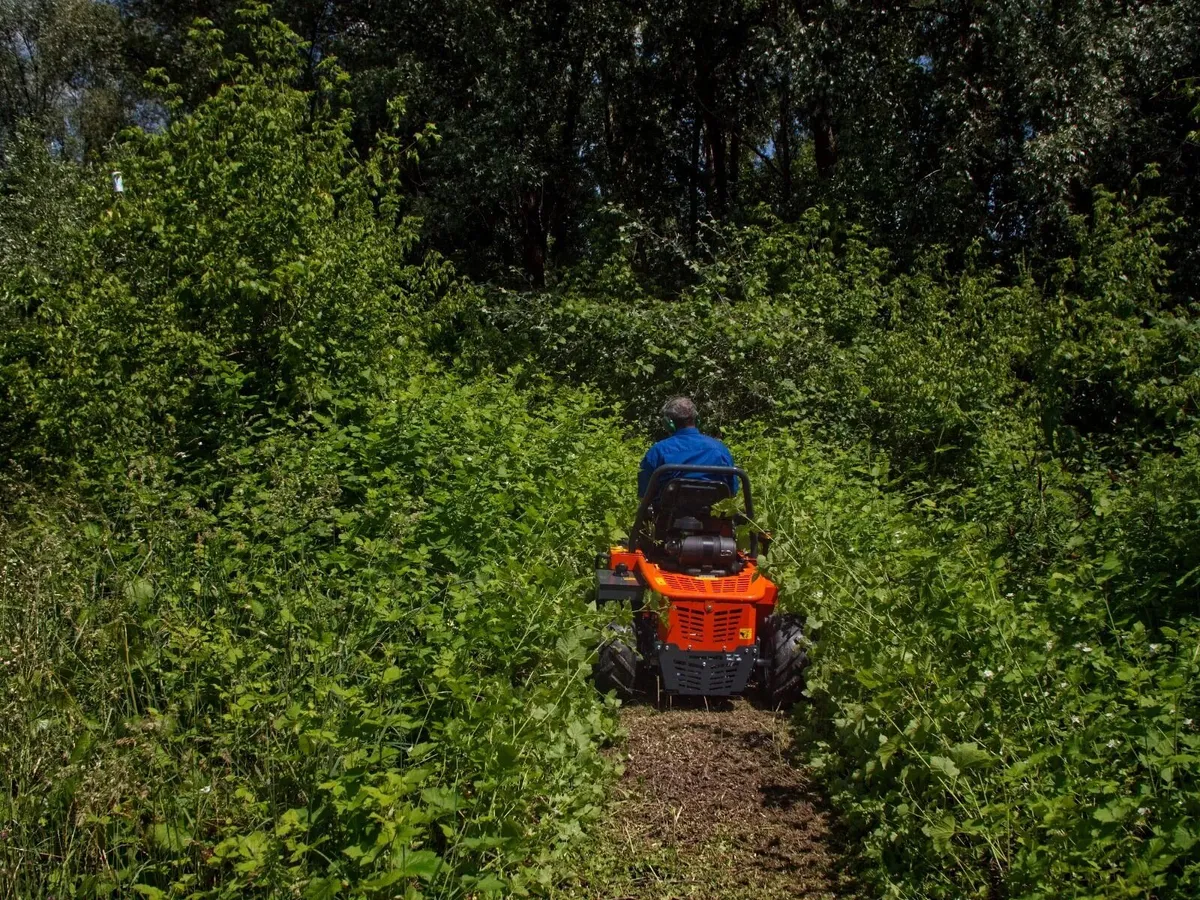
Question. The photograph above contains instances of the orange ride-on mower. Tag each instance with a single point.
(709, 623)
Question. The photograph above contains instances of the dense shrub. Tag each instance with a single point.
(986, 732)
(365, 669)
(251, 262)
(286, 609)
(795, 323)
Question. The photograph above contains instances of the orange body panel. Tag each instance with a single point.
(707, 613)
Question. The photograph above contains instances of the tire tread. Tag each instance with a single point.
(787, 661)
(617, 664)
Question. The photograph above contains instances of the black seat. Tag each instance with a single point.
(685, 506)
(687, 536)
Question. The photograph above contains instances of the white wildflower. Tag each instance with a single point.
(1154, 648)
(988, 673)
(1143, 810)
(207, 789)
(1075, 720)
(1113, 744)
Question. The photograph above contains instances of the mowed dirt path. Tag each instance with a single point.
(710, 806)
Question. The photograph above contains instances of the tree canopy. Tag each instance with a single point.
(949, 123)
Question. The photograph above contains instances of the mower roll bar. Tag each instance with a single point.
(639, 521)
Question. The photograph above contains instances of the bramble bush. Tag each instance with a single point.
(286, 607)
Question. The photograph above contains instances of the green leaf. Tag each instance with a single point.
(1115, 811)
(944, 765)
(1183, 839)
(169, 837)
(971, 756)
(442, 798)
(423, 864)
(941, 831)
(490, 883)
(322, 889)
(381, 881)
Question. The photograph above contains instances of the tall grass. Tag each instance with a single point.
(364, 669)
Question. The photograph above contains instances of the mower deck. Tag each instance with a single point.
(706, 674)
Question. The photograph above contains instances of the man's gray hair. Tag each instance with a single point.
(680, 410)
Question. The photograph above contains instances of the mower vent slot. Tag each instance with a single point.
(725, 625)
(690, 673)
(691, 622)
(733, 585)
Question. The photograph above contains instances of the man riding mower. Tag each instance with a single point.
(703, 617)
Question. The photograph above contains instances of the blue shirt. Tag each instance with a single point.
(687, 446)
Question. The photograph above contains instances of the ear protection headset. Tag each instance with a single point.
(670, 423)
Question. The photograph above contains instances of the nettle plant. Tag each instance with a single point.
(982, 722)
(251, 262)
(363, 671)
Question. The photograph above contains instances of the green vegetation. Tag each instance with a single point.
(286, 604)
(310, 434)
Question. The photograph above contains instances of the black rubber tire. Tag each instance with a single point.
(616, 667)
(786, 658)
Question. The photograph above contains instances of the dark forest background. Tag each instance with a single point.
(956, 124)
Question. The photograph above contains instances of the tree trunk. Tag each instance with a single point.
(705, 86)
(694, 199)
(732, 164)
(824, 141)
(613, 151)
(533, 237)
(783, 142)
(714, 151)
(560, 212)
